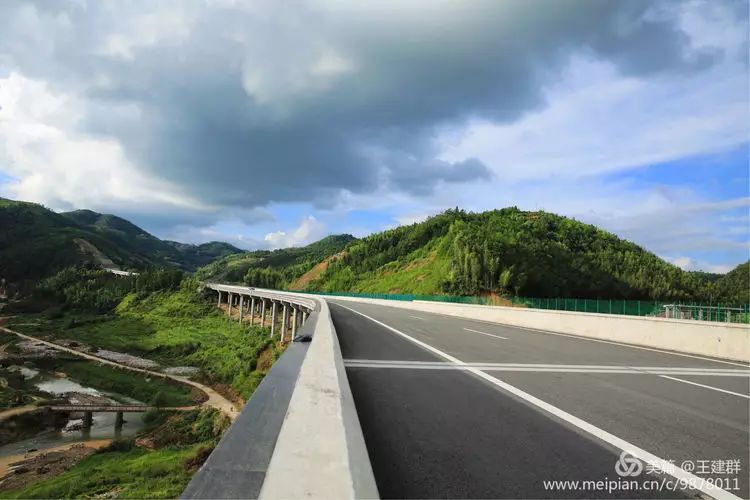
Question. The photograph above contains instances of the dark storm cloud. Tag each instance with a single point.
(299, 102)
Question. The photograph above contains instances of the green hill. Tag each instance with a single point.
(183, 255)
(505, 252)
(273, 268)
(508, 252)
(733, 287)
(36, 242)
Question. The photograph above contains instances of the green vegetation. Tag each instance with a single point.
(733, 287)
(273, 269)
(128, 235)
(136, 473)
(174, 328)
(36, 243)
(505, 252)
(93, 290)
(150, 390)
(510, 252)
(181, 441)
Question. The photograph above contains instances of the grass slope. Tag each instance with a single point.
(181, 441)
(173, 328)
(512, 252)
(137, 473)
(148, 390)
(290, 262)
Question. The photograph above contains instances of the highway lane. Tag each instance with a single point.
(449, 433)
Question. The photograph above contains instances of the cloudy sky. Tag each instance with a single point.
(269, 124)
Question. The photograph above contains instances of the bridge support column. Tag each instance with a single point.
(119, 420)
(88, 419)
(262, 312)
(284, 322)
(229, 305)
(295, 318)
(219, 304)
(242, 306)
(273, 317)
(252, 310)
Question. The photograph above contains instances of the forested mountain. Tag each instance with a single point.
(510, 251)
(183, 255)
(274, 268)
(36, 242)
(733, 287)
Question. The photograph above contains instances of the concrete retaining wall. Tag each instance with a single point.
(720, 340)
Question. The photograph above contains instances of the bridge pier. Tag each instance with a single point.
(295, 312)
(263, 313)
(284, 322)
(273, 317)
(119, 420)
(88, 419)
(242, 306)
(229, 305)
(219, 304)
(252, 310)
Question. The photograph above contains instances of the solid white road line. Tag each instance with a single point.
(595, 431)
(706, 386)
(485, 333)
(537, 368)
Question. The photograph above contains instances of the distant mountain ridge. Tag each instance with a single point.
(505, 252)
(36, 242)
(183, 255)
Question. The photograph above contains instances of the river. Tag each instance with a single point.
(103, 426)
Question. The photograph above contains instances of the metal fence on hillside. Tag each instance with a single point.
(664, 309)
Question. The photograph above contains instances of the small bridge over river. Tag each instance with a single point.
(89, 409)
(113, 408)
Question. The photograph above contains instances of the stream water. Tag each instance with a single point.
(103, 426)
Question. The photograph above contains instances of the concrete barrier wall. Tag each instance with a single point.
(720, 340)
(299, 435)
(320, 451)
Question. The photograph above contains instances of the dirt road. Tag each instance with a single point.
(214, 399)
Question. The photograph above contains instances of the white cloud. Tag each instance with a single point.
(309, 230)
(406, 66)
(690, 264)
(598, 122)
(162, 25)
(63, 169)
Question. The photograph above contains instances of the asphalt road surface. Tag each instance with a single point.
(453, 408)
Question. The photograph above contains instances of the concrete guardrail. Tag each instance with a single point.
(299, 435)
(720, 340)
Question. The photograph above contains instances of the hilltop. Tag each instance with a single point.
(506, 252)
(274, 268)
(183, 255)
(37, 242)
